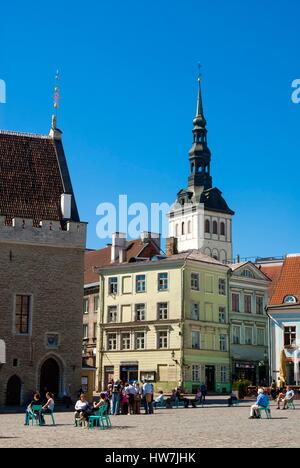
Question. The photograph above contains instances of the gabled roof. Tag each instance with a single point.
(288, 283)
(236, 266)
(33, 176)
(102, 257)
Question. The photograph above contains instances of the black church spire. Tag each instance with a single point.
(199, 154)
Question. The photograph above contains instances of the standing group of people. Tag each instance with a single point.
(127, 398)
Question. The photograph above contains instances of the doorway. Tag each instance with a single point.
(129, 373)
(50, 378)
(210, 378)
(13, 391)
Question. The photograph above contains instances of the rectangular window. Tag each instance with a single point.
(247, 304)
(259, 305)
(125, 341)
(222, 287)
(224, 374)
(85, 384)
(140, 312)
(223, 343)
(86, 305)
(22, 318)
(195, 373)
(112, 314)
(140, 340)
(195, 311)
(162, 311)
(113, 285)
(195, 281)
(96, 303)
(163, 342)
(140, 285)
(290, 337)
(163, 281)
(196, 340)
(222, 315)
(112, 342)
(260, 337)
(85, 332)
(235, 302)
(95, 329)
(236, 335)
(248, 336)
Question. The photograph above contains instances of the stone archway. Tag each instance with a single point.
(50, 375)
(13, 391)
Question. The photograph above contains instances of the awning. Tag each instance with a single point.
(2, 352)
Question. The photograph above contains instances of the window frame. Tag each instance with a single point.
(162, 281)
(28, 315)
(138, 282)
(113, 285)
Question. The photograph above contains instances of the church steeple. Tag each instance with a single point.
(199, 154)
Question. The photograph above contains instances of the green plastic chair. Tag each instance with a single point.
(290, 404)
(34, 415)
(100, 419)
(266, 410)
(50, 414)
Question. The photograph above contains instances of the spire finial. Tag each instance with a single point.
(199, 111)
(56, 99)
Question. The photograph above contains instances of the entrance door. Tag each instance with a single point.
(210, 377)
(50, 376)
(13, 391)
(129, 373)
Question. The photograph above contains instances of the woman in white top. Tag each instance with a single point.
(48, 408)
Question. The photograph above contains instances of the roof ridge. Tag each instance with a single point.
(25, 134)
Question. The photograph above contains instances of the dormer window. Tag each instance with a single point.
(290, 300)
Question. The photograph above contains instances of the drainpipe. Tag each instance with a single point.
(270, 350)
(182, 326)
(101, 336)
(229, 330)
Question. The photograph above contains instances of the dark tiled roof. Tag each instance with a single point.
(31, 180)
(213, 201)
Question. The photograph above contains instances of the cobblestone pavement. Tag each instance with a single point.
(211, 426)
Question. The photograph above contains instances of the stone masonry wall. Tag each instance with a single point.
(54, 278)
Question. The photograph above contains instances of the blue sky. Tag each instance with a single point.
(128, 87)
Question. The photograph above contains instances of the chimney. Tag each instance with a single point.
(155, 237)
(238, 259)
(172, 246)
(65, 204)
(118, 248)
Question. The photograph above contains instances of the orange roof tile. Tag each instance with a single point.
(288, 282)
(273, 272)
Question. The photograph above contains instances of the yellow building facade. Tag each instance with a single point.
(165, 320)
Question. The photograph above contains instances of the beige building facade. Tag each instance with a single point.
(165, 320)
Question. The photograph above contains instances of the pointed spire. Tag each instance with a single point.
(199, 120)
(199, 111)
